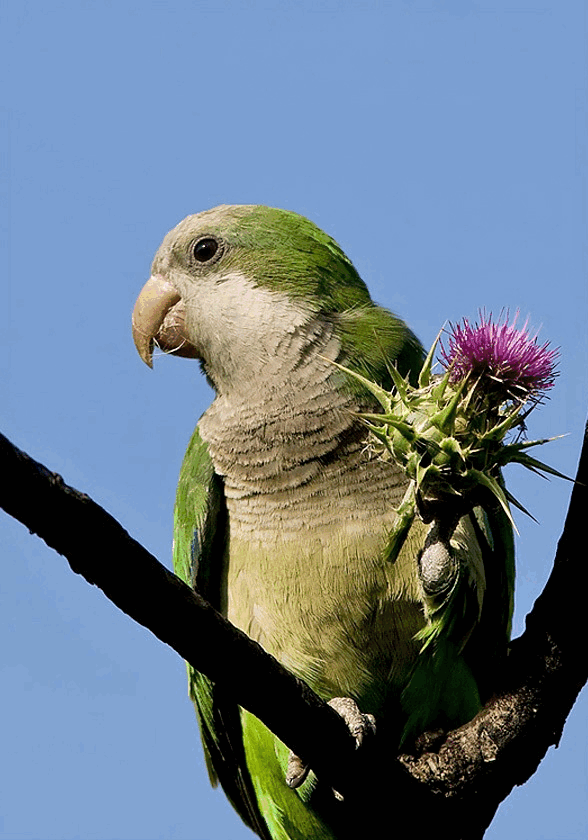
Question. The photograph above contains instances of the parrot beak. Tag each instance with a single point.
(159, 317)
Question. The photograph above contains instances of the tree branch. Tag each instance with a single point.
(468, 774)
(97, 547)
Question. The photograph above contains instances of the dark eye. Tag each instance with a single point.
(205, 249)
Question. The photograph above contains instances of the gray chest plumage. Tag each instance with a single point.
(310, 509)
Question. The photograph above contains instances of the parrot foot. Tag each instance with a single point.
(360, 726)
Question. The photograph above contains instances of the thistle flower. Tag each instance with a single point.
(507, 361)
(448, 433)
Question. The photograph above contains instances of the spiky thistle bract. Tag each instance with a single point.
(449, 431)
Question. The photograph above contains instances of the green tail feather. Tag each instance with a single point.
(441, 693)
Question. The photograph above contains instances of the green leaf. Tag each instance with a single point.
(498, 431)
(378, 432)
(379, 393)
(438, 391)
(495, 488)
(517, 504)
(405, 429)
(401, 384)
(406, 514)
(444, 419)
(535, 465)
(451, 445)
(425, 374)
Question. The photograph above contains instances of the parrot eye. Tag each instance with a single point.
(205, 249)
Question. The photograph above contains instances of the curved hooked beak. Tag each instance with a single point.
(159, 317)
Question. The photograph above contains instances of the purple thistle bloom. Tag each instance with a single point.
(518, 367)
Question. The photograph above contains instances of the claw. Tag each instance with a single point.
(297, 771)
(359, 725)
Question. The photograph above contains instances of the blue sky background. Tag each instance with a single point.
(443, 144)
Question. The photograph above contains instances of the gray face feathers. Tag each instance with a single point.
(238, 276)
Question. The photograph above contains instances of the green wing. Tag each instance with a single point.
(200, 537)
(488, 644)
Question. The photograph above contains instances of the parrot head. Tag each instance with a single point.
(230, 284)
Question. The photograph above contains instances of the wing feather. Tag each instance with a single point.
(200, 542)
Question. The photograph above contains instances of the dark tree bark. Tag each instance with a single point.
(455, 786)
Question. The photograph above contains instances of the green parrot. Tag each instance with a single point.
(284, 510)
